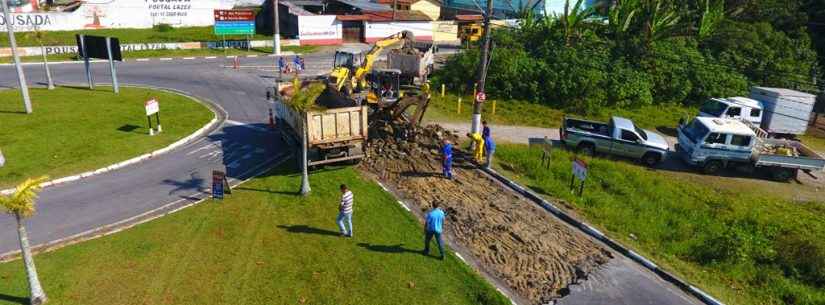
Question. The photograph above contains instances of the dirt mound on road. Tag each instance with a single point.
(513, 239)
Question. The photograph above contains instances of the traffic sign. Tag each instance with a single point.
(234, 22)
(152, 106)
(234, 15)
(234, 27)
(481, 97)
(580, 169)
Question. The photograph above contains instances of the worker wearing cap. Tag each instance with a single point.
(447, 159)
(478, 147)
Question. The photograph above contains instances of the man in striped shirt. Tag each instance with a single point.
(345, 212)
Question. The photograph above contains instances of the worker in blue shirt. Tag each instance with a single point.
(485, 132)
(432, 227)
(447, 159)
(489, 149)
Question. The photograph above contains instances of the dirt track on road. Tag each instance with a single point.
(536, 255)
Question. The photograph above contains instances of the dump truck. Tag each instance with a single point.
(414, 61)
(336, 131)
(619, 137)
(713, 144)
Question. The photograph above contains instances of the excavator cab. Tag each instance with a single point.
(385, 86)
(346, 61)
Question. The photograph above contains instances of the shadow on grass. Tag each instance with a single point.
(304, 229)
(129, 128)
(14, 299)
(397, 248)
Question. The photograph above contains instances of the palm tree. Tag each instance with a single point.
(621, 15)
(572, 19)
(660, 20)
(713, 14)
(21, 204)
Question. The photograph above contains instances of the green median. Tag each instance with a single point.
(744, 244)
(73, 130)
(264, 244)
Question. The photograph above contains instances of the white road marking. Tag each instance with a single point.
(208, 146)
(246, 125)
(166, 59)
(211, 57)
(189, 58)
(211, 155)
(252, 56)
(142, 59)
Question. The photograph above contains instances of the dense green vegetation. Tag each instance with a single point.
(264, 244)
(75, 129)
(743, 247)
(645, 52)
(158, 34)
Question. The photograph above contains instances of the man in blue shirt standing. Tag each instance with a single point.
(432, 227)
(485, 132)
(490, 148)
(447, 159)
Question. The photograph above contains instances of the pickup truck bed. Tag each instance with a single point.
(807, 159)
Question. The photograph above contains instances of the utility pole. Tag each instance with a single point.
(21, 76)
(276, 29)
(482, 69)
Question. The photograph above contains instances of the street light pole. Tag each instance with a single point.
(21, 76)
(482, 70)
(276, 29)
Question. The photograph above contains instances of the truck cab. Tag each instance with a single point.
(740, 108)
(714, 143)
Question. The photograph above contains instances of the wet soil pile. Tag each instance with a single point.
(513, 239)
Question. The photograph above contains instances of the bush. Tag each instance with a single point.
(801, 258)
(163, 27)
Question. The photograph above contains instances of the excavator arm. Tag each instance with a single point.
(357, 78)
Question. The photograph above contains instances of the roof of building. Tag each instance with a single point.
(468, 17)
(295, 8)
(304, 2)
(386, 16)
(389, 2)
(731, 126)
(622, 123)
(365, 5)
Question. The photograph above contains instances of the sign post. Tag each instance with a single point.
(153, 107)
(481, 97)
(580, 172)
(102, 48)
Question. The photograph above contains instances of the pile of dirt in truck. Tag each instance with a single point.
(512, 239)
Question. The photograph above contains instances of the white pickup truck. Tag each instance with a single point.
(618, 137)
(715, 143)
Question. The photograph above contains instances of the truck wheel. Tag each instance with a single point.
(586, 149)
(712, 167)
(783, 174)
(651, 159)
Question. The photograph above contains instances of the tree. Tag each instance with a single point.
(21, 204)
(573, 18)
(621, 16)
(713, 12)
(659, 20)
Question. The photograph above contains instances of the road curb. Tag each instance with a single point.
(590, 230)
(216, 120)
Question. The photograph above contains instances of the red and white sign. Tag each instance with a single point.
(481, 97)
(152, 107)
(234, 15)
(580, 169)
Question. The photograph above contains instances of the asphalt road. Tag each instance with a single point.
(243, 146)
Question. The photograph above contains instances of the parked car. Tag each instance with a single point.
(713, 144)
(619, 137)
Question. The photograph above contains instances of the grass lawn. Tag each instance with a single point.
(184, 34)
(512, 112)
(262, 245)
(745, 247)
(73, 130)
(173, 53)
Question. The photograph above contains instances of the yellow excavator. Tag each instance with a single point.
(351, 67)
(353, 77)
